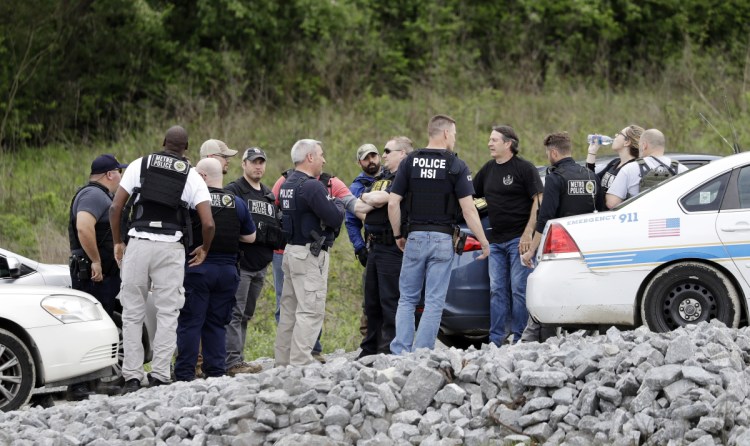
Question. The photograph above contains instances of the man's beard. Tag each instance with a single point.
(372, 169)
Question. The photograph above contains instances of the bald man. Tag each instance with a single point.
(628, 182)
(210, 286)
(163, 187)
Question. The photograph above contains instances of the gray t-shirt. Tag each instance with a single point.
(94, 201)
(628, 179)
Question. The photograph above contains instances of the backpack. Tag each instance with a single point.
(650, 177)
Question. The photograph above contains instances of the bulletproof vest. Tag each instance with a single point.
(378, 217)
(433, 176)
(266, 215)
(650, 177)
(159, 208)
(102, 229)
(298, 219)
(227, 233)
(579, 190)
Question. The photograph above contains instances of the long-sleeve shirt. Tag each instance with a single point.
(354, 224)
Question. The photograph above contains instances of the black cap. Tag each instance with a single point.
(254, 153)
(105, 163)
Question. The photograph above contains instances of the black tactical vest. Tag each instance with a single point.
(104, 242)
(160, 209)
(298, 221)
(431, 198)
(377, 219)
(266, 215)
(227, 234)
(579, 190)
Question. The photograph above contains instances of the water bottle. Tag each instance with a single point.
(602, 140)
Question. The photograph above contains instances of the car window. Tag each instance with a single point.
(707, 196)
(4, 271)
(743, 186)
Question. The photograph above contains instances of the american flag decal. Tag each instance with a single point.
(664, 227)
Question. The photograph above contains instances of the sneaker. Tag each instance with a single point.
(131, 385)
(153, 382)
(243, 367)
(319, 357)
(199, 372)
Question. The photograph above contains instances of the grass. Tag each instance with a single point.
(36, 184)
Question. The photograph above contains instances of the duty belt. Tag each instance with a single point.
(443, 229)
(384, 238)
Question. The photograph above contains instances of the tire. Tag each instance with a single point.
(18, 374)
(463, 341)
(688, 293)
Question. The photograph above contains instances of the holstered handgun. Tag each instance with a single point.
(317, 244)
(459, 240)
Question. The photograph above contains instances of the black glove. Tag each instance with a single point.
(362, 256)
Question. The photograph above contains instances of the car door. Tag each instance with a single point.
(733, 223)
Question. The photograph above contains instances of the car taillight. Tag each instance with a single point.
(472, 244)
(559, 242)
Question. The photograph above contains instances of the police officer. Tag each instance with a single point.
(310, 218)
(569, 189)
(92, 264)
(255, 257)
(162, 187)
(211, 286)
(217, 149)
(384, 261)
(437, 185)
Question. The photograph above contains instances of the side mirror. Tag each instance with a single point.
(10, 268)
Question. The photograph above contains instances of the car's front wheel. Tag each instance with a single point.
(17, 372)
(688, 293)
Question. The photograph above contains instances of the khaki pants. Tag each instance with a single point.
(303, 304)
(160, 268)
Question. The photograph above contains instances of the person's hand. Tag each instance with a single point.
(594, 147)
(199, 255)
(527, 258)
(119, 252)
(485, 251)
(524, 244)
(96, 272)
(362, 256)
(401, 243)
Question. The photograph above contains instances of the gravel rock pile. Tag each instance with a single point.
(625, 388)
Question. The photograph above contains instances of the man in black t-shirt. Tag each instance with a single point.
(513, 191)
(254, 257)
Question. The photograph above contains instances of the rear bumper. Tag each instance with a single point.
(567, 292)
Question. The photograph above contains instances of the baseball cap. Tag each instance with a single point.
(364, 150)
(254, 153)
(105, 163)
(216, 147)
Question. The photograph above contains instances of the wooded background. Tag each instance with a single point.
(81, 70)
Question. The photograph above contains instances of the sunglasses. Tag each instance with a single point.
(387, 150)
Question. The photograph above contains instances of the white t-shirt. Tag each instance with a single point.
(195, 192)
(628, 179)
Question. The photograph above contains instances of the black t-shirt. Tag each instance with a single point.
(509, 189)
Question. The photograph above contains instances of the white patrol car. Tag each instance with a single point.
(676, 254)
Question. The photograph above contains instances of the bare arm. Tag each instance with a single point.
(376, 199)
(250, 238)
(207, 227)
(473, 222)
(612, 200)
(528, 232)
(528, 255)
(115, 214)
(85, 223)
(394, 216)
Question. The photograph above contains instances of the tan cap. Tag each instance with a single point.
(216, 147)
(366, 149)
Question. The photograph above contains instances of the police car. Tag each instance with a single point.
(674, 255)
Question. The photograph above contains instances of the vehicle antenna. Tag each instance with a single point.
(735, 141)
(717, 131)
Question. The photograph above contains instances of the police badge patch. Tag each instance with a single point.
(508, 180)
(581, 187)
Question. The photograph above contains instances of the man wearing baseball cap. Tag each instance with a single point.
(92, 264)
(254, 257)
(368, 159)
(214, 148)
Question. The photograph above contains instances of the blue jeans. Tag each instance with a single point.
(278, 283)
(427, 263)
(507, 291)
